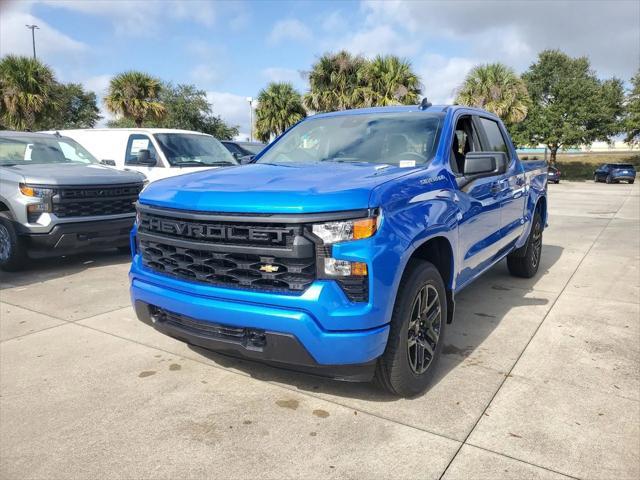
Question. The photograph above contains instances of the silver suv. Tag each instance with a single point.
(56, 199)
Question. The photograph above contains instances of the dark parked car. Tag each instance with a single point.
(244, 150)
(615, 172)
(553, 175)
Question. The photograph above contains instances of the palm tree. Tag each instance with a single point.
(25, 87)
(389, 80)
(498, 89)
(335, 83)
(279, 107)
(135, 95)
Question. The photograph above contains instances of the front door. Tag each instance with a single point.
(478, 203)
(136, 143)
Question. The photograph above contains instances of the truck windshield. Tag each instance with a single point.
(39, 149)
(191, 150)
(405, 139)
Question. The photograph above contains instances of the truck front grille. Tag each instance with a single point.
(236, 254)
(95, 201)
(243, 270)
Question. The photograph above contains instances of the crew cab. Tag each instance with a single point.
(341, 250)
(56, 199)
(155, 152)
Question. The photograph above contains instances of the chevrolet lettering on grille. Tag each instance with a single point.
(216, 232)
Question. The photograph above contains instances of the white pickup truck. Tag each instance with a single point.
(155, 152)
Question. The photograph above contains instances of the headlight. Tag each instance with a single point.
(32, 191)
(343, 231)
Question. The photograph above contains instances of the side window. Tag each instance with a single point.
(465, 140)
(494, 136)
(136, 143)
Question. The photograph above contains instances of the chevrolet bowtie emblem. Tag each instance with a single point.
(269, 268)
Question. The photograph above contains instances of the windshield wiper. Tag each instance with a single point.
(224, 162)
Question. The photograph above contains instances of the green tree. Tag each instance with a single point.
(389, 80)
(70, 106)
(570, 106)
(187, 108)
(497, 89)
(135, 95)
(631, 125)
(279, 107)
(25, 86)
(336, 83)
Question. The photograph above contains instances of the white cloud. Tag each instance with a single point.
(515, 31)
(334, 22)
(289, 30)
(379, 39)
(442, 76)
(205, 73)
(142, 18)
(233, 109)
(98, 84)
(275, 74)
(15, 38)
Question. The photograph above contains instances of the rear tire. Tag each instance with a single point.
(631, 182)
(13, 255)
(407, 366)
(525, 261)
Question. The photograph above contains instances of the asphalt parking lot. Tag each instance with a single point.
(540, 378)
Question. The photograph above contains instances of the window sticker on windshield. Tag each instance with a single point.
(407, 163)
(139, 144)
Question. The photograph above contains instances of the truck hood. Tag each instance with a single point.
(73, 174)
(266, 188)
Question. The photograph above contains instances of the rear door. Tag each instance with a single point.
(510, 187)
(479, 204)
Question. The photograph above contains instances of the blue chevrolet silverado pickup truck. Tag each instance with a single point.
(340, 251)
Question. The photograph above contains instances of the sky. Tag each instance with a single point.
(232, 49)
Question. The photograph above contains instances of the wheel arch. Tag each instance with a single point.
(438, 251)
(5, 210)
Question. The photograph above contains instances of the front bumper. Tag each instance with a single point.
(296, 327)
(68, 238)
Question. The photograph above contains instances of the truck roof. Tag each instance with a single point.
(132, 130)
(13, 133)
(400, 109)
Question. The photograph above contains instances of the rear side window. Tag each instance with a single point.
(494, 136)
(136, 143)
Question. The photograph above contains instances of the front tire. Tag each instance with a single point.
(609, 179)
(13, 255)
(407, 366)
(525, 261)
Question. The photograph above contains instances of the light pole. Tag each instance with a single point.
(250, 100)
(33, 37)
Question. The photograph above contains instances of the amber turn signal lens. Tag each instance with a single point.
(364, 228)
(358, 269)
(28, 191)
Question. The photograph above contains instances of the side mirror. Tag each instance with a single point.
(246, 159)
(236, 155)
(144, 158)
(485, 164)
(110, 163)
